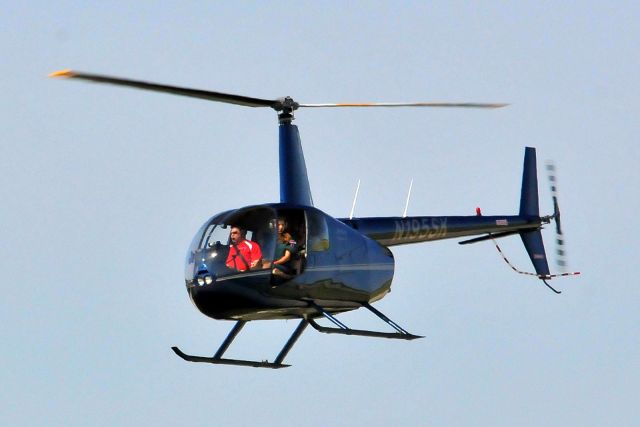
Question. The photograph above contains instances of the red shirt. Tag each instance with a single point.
(250, 252)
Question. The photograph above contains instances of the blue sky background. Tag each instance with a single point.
(103, 188)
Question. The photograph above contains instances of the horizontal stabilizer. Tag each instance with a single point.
(489, 236)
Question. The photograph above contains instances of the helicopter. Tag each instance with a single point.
(335, 265)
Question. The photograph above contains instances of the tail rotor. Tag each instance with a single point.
(561, 254)
(532, 238)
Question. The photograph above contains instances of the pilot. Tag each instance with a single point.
(285, 250)
(243, 254)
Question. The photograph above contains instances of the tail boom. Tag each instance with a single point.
(392, 231)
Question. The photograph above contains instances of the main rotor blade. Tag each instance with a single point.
(193, 93)
(411, 104)
(279, 104)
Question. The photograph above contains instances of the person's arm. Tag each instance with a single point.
(285, 258)
(256, 255)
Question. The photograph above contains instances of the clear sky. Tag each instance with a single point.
(103, 188)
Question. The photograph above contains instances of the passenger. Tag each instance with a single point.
(285, 250)
(243, 254)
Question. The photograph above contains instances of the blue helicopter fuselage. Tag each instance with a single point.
(332, 263)
(339, 264)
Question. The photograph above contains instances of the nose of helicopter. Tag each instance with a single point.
(230, 297)
(204, 276)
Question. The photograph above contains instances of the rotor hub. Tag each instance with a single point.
(285, 108)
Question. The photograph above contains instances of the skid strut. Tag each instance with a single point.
(344, 330)
(217, 359)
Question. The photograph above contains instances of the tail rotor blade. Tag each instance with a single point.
(561, 259)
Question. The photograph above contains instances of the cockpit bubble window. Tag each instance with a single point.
(215, 234)
(212, 253)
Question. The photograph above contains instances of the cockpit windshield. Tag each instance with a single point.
(232, 242)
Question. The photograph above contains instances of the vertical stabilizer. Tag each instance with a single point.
(529, 195)
(294, 183)
(529, 207)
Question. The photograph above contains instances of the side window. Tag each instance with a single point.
(317, 232)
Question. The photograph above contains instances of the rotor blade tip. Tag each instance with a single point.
(62, 73)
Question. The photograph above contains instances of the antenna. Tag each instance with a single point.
(355, 197)
(406, 206)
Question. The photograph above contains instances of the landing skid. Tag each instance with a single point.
(221, 361)
(217, 358)
(342, 329)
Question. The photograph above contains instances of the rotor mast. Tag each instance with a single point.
(294, 181)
